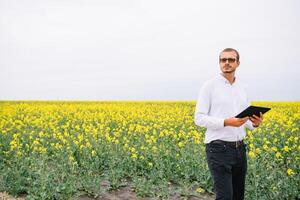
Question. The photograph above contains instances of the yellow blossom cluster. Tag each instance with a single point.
(145, 132)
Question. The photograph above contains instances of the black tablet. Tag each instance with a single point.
(253, 110)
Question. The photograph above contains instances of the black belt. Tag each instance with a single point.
(233, 144)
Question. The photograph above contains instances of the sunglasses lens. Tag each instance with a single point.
(223, 60)
(230, 60)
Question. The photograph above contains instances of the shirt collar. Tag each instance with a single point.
(223, 79)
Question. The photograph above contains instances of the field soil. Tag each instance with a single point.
(124, 193)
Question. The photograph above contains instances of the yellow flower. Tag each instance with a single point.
(41, 134)
(180, 144)
(274, 149)
(200, 190)
(36, 142)
(278, 155)
(286, 148)
(290, 172)
(71, 158)
(93, 153)
(154, 149)
(132, 150)
(251, 146)
(13, 144)
(251, 154)
(134, 156)
(258, 151)
(150, 164)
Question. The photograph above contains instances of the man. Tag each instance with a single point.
(220, 99)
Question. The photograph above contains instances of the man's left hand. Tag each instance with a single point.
(256, 121)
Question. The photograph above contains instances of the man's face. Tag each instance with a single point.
(228, 62)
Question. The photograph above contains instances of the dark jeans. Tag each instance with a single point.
(228, 167)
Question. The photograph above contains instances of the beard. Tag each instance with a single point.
(227, 69)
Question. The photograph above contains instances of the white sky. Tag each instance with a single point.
(145, 50)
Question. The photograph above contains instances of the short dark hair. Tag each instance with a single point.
(229, 50)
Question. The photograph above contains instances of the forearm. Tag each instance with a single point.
(209, 122)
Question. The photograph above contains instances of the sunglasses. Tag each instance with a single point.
(230, 60)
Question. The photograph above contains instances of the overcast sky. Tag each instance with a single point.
(145, 50)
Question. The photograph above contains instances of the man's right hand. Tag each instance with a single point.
(235, 122)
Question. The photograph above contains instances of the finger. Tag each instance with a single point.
(245, 118)
(257, 118)
(242, 119)
(261, 116)
(255, 121)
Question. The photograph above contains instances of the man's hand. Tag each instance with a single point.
(235, 122)
(256, 121)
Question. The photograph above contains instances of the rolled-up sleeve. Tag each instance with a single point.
(249, 125)
(203, 106)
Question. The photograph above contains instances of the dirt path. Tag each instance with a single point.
(124, 193)
(5, 196)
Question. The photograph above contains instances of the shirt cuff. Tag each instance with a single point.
(221, 123)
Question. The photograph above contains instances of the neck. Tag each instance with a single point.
(229, 76)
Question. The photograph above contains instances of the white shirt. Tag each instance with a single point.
(218, 100)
